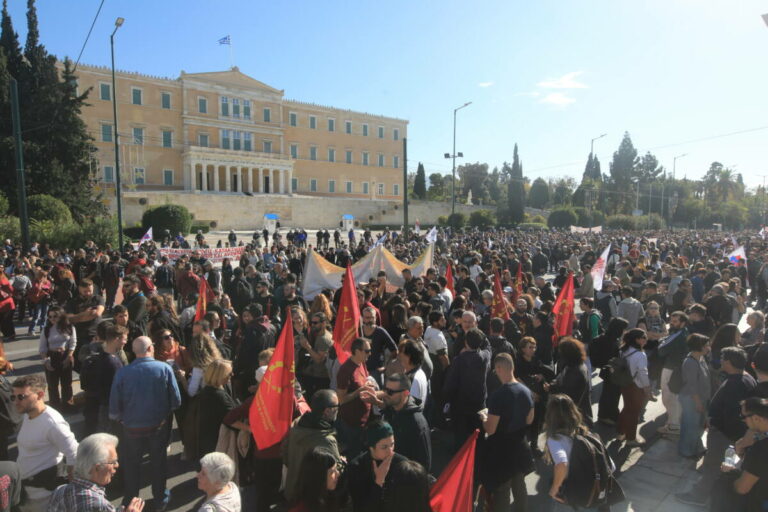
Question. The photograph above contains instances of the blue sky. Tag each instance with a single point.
(546, 74)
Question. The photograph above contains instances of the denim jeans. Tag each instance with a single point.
(691, 427)
(39, 313)
(132, 450)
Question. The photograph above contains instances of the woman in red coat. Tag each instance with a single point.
(7, 306)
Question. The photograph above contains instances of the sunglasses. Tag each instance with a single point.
(18, 397)
(391, 392)
(314, 322)
(168, 337)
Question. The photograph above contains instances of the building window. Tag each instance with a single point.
(331, 125)
(293, 119)
(267, 115)
(246, 109)
(237, 140)
(313, 122)
(396, 161)
(348, 127)
(165, 100)
(226, 138)
(138, 136)
(365, 130)
(138, 175)
(105, 92)
(365, 187)
(267, 146)
(109, 174)
(381, 132)
(381, 160)
(236, 108)
(331, 155)
(380, 190)
(202, 105)
(225, 106)
(106, 133)
(396, 134)
(365, 158)
(313, 152)
(294, 151)
(294, 184)
(348, 156)
(168, 177)
(348, 186)
(202, 139)
(331, 186)
(313, 185)
(167, 138)
(136, 96)
(395, 189)
(247, 141)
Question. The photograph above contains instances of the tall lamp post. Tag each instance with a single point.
(453, 156)
(592, 144)
(674, 164)
(118, 187)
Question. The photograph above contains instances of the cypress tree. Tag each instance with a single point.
(516, 190)
(420, 183)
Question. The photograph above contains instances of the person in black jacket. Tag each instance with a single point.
(601, 350)
(215, 403)
(573, 377)
(404, 413)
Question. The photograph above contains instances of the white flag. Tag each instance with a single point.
(381, 240)
(147, 236)
(598, 270)
(432, 235)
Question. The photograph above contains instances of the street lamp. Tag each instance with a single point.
(453, 156)
(592, 144)
(118, 191)
(674, 164)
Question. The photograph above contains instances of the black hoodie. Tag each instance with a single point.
(412, 436)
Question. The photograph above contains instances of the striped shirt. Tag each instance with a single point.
(80, 496)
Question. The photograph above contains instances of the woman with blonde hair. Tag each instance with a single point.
(214, 402)
(202, 351)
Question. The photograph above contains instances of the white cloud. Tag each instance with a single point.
(485, 84)
(567, 81)
(557, 99)
(532, 94)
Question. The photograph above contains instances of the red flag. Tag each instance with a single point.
(272, 408)
(563, 310)
(453, 490)
(499, 306)
(347, 319)
(519, 281)
(204, 294)
(449, 279)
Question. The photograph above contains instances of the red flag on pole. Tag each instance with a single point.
(347, 319)
(204, 294)
(499, 305)
(449, 279)
(453, 490)
(563, 310)
(519, 281)
(272, 408)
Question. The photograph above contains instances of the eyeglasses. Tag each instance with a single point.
(168, 336)
(367, 351)
(391, 392)
(19, 397)
(112, 463)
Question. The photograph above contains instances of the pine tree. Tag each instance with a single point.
(516, 191)
(420, 184)
(9, 41)
(538, 196)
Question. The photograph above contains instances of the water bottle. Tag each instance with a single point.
(731, 459)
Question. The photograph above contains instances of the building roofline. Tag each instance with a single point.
(316, 105)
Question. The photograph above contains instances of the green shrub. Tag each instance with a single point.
(442, 220)
(101, 231)
(598, 218)
(173, 217)
(482, 219)
(562, 218)
(200, 227)
(457, 220)
(43, 207)
(537, 219)
(629, 222)
(71, 235)
(4, 205)
(10, 227)
(532, 225)
(134, 232)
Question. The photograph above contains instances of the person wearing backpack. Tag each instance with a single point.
(583, 471)
(694, 397)
(636, 392)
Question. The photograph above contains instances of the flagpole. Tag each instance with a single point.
(231, 58)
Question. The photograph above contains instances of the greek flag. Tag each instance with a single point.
(381, 240)
(147, 236)
(432, 235)
(225, 40)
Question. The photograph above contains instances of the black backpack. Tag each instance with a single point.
(590, 480)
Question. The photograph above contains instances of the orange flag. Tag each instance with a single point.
(272, 408)
(499, 305)
(347, 319)
(563, 310)
(453, 490)
(204, 294)
(449, 279)
(519, 281)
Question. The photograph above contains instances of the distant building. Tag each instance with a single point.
(227, 132)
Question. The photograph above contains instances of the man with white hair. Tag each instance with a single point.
(144, 394)
(95, 465)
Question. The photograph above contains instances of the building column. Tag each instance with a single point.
(272, 187)
(240, 179)
(281, 173)
(290, 182)
(251, 175)
(227, 180)
(215, 178)
(204, 178)
(192, 177)
(261, 180)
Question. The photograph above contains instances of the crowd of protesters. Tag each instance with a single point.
(432, 359)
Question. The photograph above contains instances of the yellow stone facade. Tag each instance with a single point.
(226, 132)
